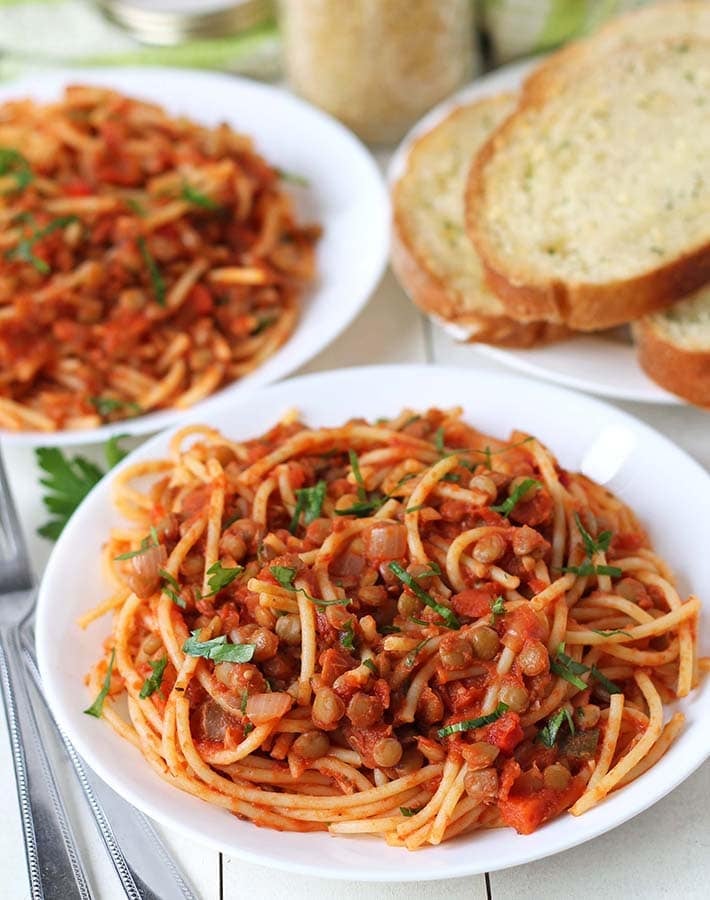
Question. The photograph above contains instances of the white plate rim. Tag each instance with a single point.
(530, 361)
(289, 357)
(403, 868)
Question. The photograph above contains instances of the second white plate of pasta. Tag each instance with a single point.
(380, 610)
(172, 235)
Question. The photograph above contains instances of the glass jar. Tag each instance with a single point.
(377, 65)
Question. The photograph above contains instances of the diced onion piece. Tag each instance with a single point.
(385, 540)
(263, 708)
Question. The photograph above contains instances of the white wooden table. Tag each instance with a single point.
(665, 852)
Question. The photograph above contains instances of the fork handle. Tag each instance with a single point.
(53, 862)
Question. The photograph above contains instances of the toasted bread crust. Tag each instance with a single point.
(681, 371)
(433, 292)
(582, 306)
(436, 298)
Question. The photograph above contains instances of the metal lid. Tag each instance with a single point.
(169, 22)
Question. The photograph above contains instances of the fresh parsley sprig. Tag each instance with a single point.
(97, 707)
(24, 250)
(285, 575)
(470, 724)
(600, 544)
(156, 278)
(151, 540)
(309, 502)
(497, 609)
(191, 195)
(106, 405)
(507, 506)
(154, 681)
(550, 730)
(217, 649)
(171, 588)
(221, 577)
(13, 163)
(569, 669)
(410, 581)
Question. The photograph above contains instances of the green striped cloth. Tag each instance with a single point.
(35, 34)
(519, 27)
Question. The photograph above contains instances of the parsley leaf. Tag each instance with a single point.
(412, 655)
(409, 811)
(197, 198)
(171, 587)
(285, 575)
(569, 669)
(357, 474)
(68, 481)
(608, 685)
(309, 500)
(589, 568)
(156, 278)
(153, 682)
(370, 665)
(497, 608)
(13, 163)
(113, 451)
(221, 577)
(24, 251)
(97, 707)
(439, 441)
(610, 633)
(292, 177)
(548, 733)
(410, 581)
(507, 507)
(217, 649)
(363, 508)
(107, 405)
(469, 724)
(347, 636)
(150, 541)
(593, 545)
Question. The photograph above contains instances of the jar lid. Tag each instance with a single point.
(169, 22)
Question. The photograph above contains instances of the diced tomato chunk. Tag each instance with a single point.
(505, 733)
(474, 602)
(526, 812)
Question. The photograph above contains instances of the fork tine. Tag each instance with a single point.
(15, 572)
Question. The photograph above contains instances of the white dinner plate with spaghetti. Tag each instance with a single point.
(338, 186)
(603, 362)
(657, 479)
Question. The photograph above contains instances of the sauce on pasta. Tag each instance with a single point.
(404, 628)
(145, 261)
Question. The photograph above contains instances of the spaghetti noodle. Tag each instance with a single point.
(145, 261)
(403, 628)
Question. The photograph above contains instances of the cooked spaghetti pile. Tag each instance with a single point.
(144, 260)
(404, 628)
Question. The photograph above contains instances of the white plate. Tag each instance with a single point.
(570, 424)
(603, 363)
(345, 194)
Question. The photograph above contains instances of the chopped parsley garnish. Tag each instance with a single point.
(413, 509)
(357, 474)
(548, 733)
(412, 655)
(600, 544)
(217, 649)
(452, 477)
(107, 405)
(197, 198)
(507, 507)
(363, 508)
(371, 666)
(262, 324)
(145, 544)
(153, 682)
(135, 206)
(569, 669)
(410, 581)
(97, 707)
(389, 629)
(347, 636)
(221, 576)
(24, 251)
(248, 728)
(593, 545)
(610, 633)
(68, 481)
(113, 450)
(285, 575)
(156, 279)
(497, 608)
(439, 441)
(13, 163)
(171, 588)
(244, 701)
(309, 502)
(470, 724)
(410, 811)
(292, 177)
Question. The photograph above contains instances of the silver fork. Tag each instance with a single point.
(142, 863)
(53, 862)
